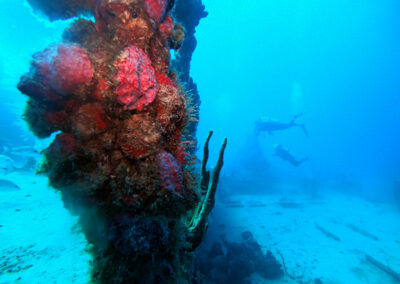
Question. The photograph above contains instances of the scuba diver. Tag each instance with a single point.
(286, 156)
(271, 125)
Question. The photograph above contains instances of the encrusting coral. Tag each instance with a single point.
(120, 157)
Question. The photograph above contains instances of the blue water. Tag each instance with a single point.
(336, 62)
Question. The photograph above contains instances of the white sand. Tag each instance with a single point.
(40, 242)
(307, 251)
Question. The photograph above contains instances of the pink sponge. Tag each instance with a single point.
(137, 79)
(70, 68)
(170, 174)
(167, 27)
(156, 8)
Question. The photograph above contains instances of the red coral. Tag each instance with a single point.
(89, 121)
(163, 79)
(70, 68)
(181, 155)
(106, 11)
(170, 108)
(125, 21)
(170, 174)
(167, 27)
(156, 8)
(57, 119)
(137, 79)
(135, 151)
(139, 136)
(36, 83)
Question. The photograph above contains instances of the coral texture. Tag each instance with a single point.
(171, 174)
(70, 68)
(156, 8)
(126, 234)
(137, 79)
(120, 160)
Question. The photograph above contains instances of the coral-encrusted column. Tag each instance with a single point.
(121, 116)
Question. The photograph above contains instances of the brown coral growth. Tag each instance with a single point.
(120, 161)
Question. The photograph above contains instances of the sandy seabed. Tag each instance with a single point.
(40, 241)
(298, 229)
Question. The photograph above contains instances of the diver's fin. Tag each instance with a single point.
(302, 161)
(303, 127)
(295, 117)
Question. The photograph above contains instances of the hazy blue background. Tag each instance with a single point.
(336, 61)
(21, 34)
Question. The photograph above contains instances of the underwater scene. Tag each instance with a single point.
(200, 141)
